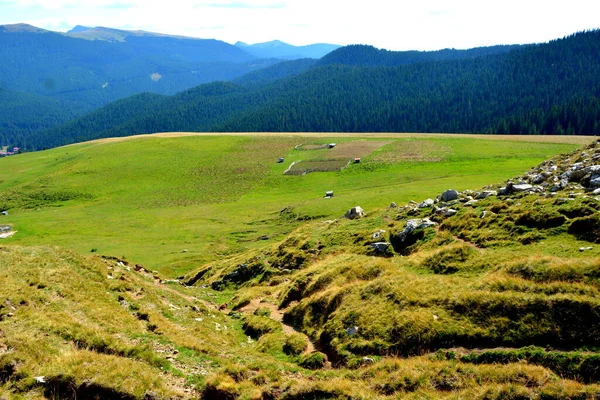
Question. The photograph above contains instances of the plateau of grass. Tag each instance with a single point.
(172, 203)
(282, 298)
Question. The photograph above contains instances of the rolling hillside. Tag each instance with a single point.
(489, 291)
(548, 88)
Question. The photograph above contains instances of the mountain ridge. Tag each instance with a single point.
(520, 91)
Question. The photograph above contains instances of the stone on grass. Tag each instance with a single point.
(486, 193)
(521, 187)
(380, 247)
(355, 213)
(449, 195)
(426, 203)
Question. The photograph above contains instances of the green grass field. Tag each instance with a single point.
(174, 203)
(283, 299)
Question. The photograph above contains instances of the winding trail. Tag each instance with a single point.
(277, 315)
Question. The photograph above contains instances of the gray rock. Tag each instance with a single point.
(355, 213)
(503, 191)
(393, 205)
(485, 214)
(378, 234)
(449, 195)
(450, 212)
(471, 203)
(413, 224)
(537, 179)
(353, 330)
(368, 360)
(594, 183)
(582, 249)
(486, 193)
(380, 247)
(426, 203)
(563, 200)
(522, 187)
(596, 192)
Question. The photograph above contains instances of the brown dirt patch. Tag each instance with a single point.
(412, 150)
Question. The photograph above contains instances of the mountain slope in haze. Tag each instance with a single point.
(557, 82)
(281, 50)
(87, 74)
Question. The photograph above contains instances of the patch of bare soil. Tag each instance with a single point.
(412, 150)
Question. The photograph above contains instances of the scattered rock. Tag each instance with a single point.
(426, 203)
(450, 212)
(368, 360)
(380, 247)
(352, 330)
(582, 249)
(449, 195)
(393, 205)
(471, 203)
(378, 234)
(486, 193)
(355, 213)
(413, 224)
(521, 187)
(563, 200)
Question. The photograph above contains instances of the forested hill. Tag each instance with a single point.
(363, 55)
(90, 68)
(548, 88)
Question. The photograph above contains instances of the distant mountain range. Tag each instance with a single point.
(87, 68)
(547, 88)
(279, 49)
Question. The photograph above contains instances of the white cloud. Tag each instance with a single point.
(399, 24)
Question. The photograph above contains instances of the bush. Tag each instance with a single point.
(586, 228)
(314, 360)
(262, 312)
(256, 326)
(541, 219)
(448, 260)
(295, 344)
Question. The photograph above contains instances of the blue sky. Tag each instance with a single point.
(391, 24)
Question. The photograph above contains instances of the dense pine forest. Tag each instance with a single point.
(549, 88)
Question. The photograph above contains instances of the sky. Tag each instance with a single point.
(389, 24)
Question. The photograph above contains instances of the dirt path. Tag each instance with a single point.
(277, 315)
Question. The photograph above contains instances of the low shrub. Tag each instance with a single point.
(449, 259)
(586, 228)
(295, 344)
(256, 326)
(262, 312)
(316, 360)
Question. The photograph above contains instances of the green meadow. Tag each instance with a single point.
(280, 297)
(175, 203)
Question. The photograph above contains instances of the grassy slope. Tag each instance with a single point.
(151, 199)
(89, 325)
